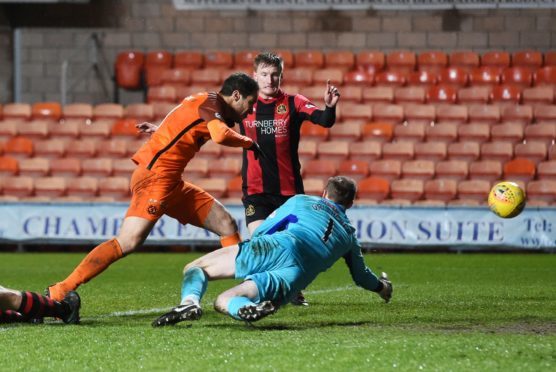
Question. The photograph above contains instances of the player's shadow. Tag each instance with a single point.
(288, 327)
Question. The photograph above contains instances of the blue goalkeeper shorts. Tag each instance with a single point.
(268, 261)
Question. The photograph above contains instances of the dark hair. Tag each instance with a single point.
(341, 190)
(269, 59)
(241, 82)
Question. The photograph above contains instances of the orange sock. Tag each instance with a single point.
(93, 264)
(233, 239)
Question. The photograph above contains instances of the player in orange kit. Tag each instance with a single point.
(156, 184)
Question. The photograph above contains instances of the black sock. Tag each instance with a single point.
(11, 316)
(34, 305)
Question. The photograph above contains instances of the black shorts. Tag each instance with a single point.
(260, 206)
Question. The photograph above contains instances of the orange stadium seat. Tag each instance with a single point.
(441, 94)
(234, 187)
(506, 94)
(373, 188)
(51, 187)
(410, 94)
(334, 74)
(219, 59)
(453, 114)
(440, 189)
(8, 128)
(113, 148)
(114, 187)
(68, 129)
(474, 189)
(371, 60)
(378, 131)
(8, 166)
(418, 169)
(496, 58)
(287, 57)
(402, 60)
(196, 168)
(82, 149)
(446, 133)
(128, 69)
(508, 132)
(46, 110)
(300, 76)
(82, 112)
(313, 59)
(65, 167)
(409, 132)
(543, 190)
(398, 150)
(231, 152)
(347, 131)
(85, 187)
(352, 93)
(378, 94)
(467, 151)
(123, 167)
(307, 149)
(161, 109)
(485, 75)
(98, 167)
(476, 95)
(356, 169)
(108, 111)
(386, 168)
(550, 58)
(19, 147)
(313, 186)
(531, 59)
(321, 168)
(465, 59)
(474, 132)
(18, 186)
(522, 114)
(409, 189)
(245, 58)
(546, 170)
(419, 114)
(434, 151)
(501, 151)
(545, 114)
(36, 129)
(484, 114)
(98, 130)
(225, 168)
(541, 95)
(209, 76)
(176, 77)
(343, 59)
(366, 151)
(156, 62)
(125, 128)
(390, 78)
(20, 111)
(162, 93)
(315, 93)
(519, 169)
(355, 111)
(139, 112)
(534, 151)
(545, 76)
(541, 133)
(422, 78)
(453, 76)
(189, 59)
(432, 61)
(490, 170)
(52, 148)
(518, 76)
(452, 169)
(333, 150)
(388, 113)
(314, 132)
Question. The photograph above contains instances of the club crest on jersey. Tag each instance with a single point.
(250, 210)
(281, 109)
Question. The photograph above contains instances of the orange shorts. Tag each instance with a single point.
(153, 195)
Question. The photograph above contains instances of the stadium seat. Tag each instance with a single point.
(349, 111)
(18, 186)
(8, 166)
(34, 167)
(467, 151)
(113, 148)
(313, 132)
(125, 128)
(231, 152)
(489, 114)
(8, 128)
(209, 76)
(97, 130)
(388, 113)
(396, 202)
(82, 149)
(390, 78)
(115, 187)
(352, 93)
(315, 93)
(83, 187)
(509, 132)
(465, 59)
(418, 169)
(490, 170)
(422, 78)
(521, 114)
(432, 61)
(496, 58)
(519, 169)
(139, 112)
(245, 58)
(501, 151)
(197, 168)
(386, 168)
(128, 68)
(65, 167)
(334, 74)
(410, 95)
(541, 133)
(98, 167)
(464, 202)
(82, 112)
(474, 95)
(546, 170)
(474, 132)
(176, 77)
(357, 77)
(440, 189)
(123, 167)
(453, 76)
(453, 114)
(333, 150)
(398, 150)
(409, 132)
(429, 203)
(373, 188)
(534, 151)
(225, 168)
(313, 186)
(540, 95)
(20, 111)
(402, 60)
(219, 59)
(347, 131)
(51, 187)
(530, 59)
(343, 59)
(419, 114)
(544, 190)
(434, 151)
(408, 189)
(111, 111)
(356, 169)
(18, 147)
(371, 60)
(506, 94)
(441, 94)
(162, 93)
(46, 110)
(210, 150)
(234, 188)
(474, 190)
(366, 151)
(446, 133)
(189, 59)
(307, 149)
(69, 129)
(452, 169)
(378, 131)
(517, 76)
(545, 76)
(550, 58)
(545, 114)
(287, 56)
(161, 109)
(156, 62)
(319, 168)
(35, 129)
(378, 94)
(300, 76)
(313, 59)
(485, 75)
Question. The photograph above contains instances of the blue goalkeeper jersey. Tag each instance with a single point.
(322, 234)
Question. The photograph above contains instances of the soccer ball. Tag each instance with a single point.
(506, 199)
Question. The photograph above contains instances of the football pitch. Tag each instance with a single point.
(449, 312)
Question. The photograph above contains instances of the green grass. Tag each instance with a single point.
(474, 312)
